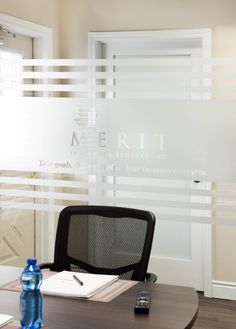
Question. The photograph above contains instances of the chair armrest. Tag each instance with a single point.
(151, 277)
(46, 265)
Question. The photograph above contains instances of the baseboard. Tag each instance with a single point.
(225, 290)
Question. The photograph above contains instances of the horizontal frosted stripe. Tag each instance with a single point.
(154, 76)
(55, 62)
(31, 206)
(143, 87)
(45, 195)
(152, 201)
(135, 91)
(89, 65)
(160, 173)
(24, 178)
(83, 95)
(55, 75)
(196, 219)
(109, 199)
(43, 182)
(162, 75)
(164, 173)
(126, 62)
(169, 217)
(51, 87)
(110, 187)
(156, 95)
(158, 199)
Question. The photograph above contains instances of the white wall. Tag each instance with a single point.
(81, 16)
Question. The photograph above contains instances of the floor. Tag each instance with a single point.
(215, 313)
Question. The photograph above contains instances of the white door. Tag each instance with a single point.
(177, 254)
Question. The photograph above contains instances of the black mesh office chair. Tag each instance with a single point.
(104, 240)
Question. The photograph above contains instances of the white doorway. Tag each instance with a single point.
(24, 233)
(181, 251)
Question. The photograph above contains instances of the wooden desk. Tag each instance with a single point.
(172, 307)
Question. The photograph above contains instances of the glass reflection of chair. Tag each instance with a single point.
(104, 240)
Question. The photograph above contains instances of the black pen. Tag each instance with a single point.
(78, 280)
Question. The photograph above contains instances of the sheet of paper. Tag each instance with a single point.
(63, 284)
(5, 319)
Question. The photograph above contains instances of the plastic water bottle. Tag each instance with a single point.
(31, 298)
(31, 277)
(31, 309)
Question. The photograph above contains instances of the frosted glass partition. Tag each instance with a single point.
(157, 134)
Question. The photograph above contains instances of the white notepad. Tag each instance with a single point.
(5, 319)
(63, 284)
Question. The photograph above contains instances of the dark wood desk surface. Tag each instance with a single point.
(172, 307)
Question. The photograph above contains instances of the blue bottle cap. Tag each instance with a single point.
(31, 261)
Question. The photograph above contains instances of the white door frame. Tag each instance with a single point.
(43, 48)
(95, 40)
(42, 35)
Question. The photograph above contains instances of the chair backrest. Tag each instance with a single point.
(104, 240)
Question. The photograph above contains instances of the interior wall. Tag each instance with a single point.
(41, 12)
(81, 16)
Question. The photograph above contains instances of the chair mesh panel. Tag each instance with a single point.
(107, 243)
